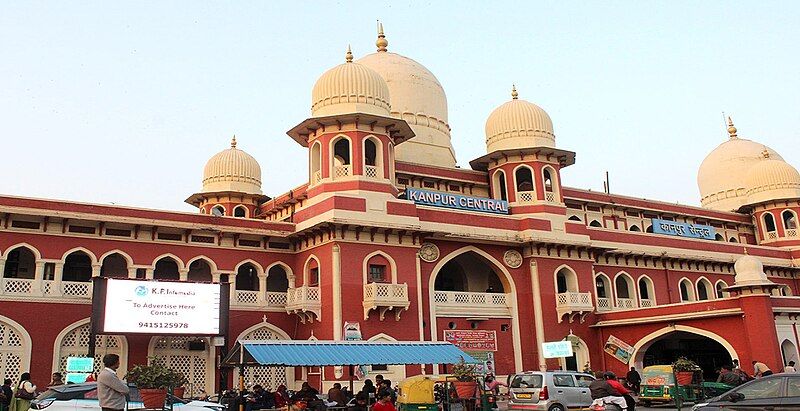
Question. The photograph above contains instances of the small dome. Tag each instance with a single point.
(722, 175)
(350, 88)
(518, 124)
(772, 179)
(750, 272)
(232, 170)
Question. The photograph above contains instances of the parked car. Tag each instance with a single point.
(83, 397)
(778, 392)
(549, 390)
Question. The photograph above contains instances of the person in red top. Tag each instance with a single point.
(384, 401)
(611, 379)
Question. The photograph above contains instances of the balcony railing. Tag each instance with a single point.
(304, 301)
(626, 303)
(647, 303)
(371, 171)
(342, 171)
(526, 196)
(316, 177)
(385, 297)
(550, 196)
(248, 298)
(573, 303)
(604, 304)
(772, 235)
(791, 232)
(471, 303)
(76, 289)
(17, 286)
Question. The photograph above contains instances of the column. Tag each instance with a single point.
(337, 293)
(38, 278)
(2, 272)
(538, 322)
(262, 289)
(183, 274)
(132, 272)
(215, 277)
(149, 273)
(96, 269)
(58, 276)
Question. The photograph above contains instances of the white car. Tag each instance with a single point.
(83, 397)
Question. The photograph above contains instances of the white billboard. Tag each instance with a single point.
(159, 307)
(557, 349)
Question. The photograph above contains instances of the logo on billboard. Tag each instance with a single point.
(141, 291)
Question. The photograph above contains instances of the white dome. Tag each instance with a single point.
(232, 170)
(419, 99)
(750, 272)
(723, 173)
(772, 179)
(518, 124)
(350, 88)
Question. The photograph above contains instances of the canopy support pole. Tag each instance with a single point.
(241, 377)
(350, 371)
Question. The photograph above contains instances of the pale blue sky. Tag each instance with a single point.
(124, 102)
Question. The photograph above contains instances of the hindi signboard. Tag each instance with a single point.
(673, 228)
(80, 364)
(456, 201)
(557, 349)
(472, 340)
(618, 349)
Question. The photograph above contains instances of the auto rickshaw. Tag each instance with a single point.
(416, 394)
(424, 393)
(659, 385)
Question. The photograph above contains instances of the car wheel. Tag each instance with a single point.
(647, 403)
(556, 407)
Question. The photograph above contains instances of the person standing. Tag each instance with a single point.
(111, 391)
(635, 379)
(760, 369)
(789, 367)
(6, 394)
(384, 401)
(24, 393)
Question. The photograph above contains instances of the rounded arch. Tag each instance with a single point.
(219, 210)
(719, 237)
(719, 289)
(523, 178)
(382, 337)
(241, 211)
(634, 228)
(205, 258)
(392, 265)
(390, 372)
(197, 366)
(686, 290)
(341, 156)
(372, 156)
(315, 162)
(602, 287)
(36, 253)
(307, 267)
(624, 290)
(15, 348)
(645, 342)
(73, 341)
(84, 250)
(575, 218)
(21, 262)
(270, 377)
(263, 331)
(550, 181)
(178, 261)
(580, 354)
(286, 268)
(705, 291)
(499, 188)
(646, 291)
(788, 351)
(565, 279)
(768, 219)
(115, 265)
(595, 223)
(257, 266)
(789, 219)
(124, 255)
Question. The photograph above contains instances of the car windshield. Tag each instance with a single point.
(526, 381)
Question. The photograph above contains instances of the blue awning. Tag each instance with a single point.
(322, 353)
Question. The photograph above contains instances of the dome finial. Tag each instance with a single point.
(349, 55)
(514, 93)
(731, 129)
(765, 153)
(382, 43)
(233, 141)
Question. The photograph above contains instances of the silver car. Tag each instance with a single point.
(549, 390)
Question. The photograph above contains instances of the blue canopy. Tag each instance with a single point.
(322, 353)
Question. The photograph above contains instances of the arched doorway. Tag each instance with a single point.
(469, 272)
(580, 355)
(789, 351)
(708, 350)
(269, 377)
(15, 349)
(73, 341)
(196, 362)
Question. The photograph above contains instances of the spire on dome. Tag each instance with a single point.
(382, 43)
(732, 129)
(514, 94)
(233, 141)
(765, 153)
(349, 55)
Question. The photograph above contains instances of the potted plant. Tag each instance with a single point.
(465, 379)
(684, 370)
(177, 382)
(152, 380)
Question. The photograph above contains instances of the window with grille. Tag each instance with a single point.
(377, 273)
(313, 277)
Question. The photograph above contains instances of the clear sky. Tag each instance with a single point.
(124, 102)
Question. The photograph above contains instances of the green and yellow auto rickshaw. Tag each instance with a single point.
(660, 386)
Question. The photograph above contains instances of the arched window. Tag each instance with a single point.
(603, 286)
(199, 271)
(341, 158)
(687, 291)
(719, 287)
(548, 180)
(114, 266)
(166, 269)
(218, 210)
(769, 222)
(240, 211)
(733, 240)
(500, 186)
(789, 220)
(623, 284)
(647, 296)
(312, 273)
(524, 179)
(277, 280)
(77, 267)
(595, 223)
(635, 227)
(649, 229)
(373, 166)
(20, 263)
(316, 162)
(719, 237)
(469, 272)
(247, 278)
(379, 269)
(574, 218)
(566, 281)
(704, 290)
(550, 185)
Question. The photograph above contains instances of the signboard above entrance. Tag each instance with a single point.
(667, 227)
(472, 340)
(557, 349)
(457, 201)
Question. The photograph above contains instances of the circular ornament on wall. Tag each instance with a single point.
(512, 258)
(429, 252)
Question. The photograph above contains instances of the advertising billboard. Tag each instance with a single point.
(122, 306)
(472, 340)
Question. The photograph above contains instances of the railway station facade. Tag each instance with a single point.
(388, 237)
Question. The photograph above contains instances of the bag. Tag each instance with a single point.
(23, 394)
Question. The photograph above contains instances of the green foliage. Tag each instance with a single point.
(684, 364)
(463, 371)
(155, 376)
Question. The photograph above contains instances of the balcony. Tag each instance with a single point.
(526, 196)
(342, 171)
(304, 301)
(465, 303)
(272, 301)
(573, 304)
(371, 171)
(791, 232)
(23, 288)
(647, 303)
(550, 197)
(604, 304)
(384, 297)
(625, 303)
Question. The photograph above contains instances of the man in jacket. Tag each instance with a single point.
(603, 393)
(111, 391)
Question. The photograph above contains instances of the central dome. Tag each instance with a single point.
(419, 99)
(723, 174)
(232, 170)
(350, 88)
(518, 124)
